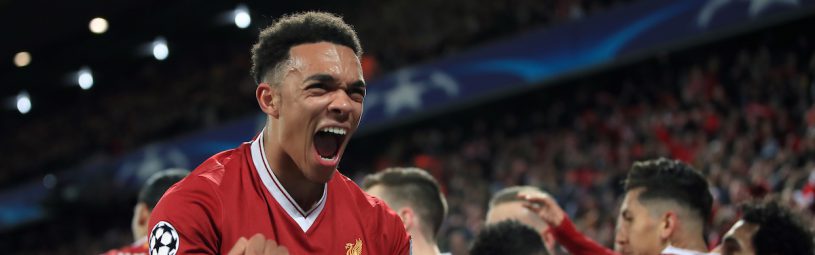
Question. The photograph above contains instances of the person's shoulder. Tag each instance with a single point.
(192, 208)
(363, 200)
(204, 182)
(370, 207)
(212, 170)
(383, 221)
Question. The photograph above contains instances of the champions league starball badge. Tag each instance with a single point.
(163, 239)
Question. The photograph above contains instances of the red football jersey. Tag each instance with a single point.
(137, 248)
(575, 242)
(235, 194)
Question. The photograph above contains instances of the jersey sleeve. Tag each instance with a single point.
(185, 220)
(397, 239)
(575, 242)
(401, 242)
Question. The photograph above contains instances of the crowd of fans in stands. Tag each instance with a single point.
(744, 117)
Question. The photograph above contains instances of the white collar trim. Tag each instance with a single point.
(303, 218)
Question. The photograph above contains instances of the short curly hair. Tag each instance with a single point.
(275, 41)
(780, 231)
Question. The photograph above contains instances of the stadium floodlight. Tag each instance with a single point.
(160, 50)
(22, 59)
(241, 17)
(23, 102)
(98, 25)
(85, 78)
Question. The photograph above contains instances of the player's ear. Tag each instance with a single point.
(268, 97)
(141, 216)
(144, 214)
(668, 224)
(408, 216)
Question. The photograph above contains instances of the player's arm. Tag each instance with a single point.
(562, 228)
(185, 220)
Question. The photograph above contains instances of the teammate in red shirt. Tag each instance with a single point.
(150, 193)
(284, 183)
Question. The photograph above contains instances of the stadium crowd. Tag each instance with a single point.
(744, 116)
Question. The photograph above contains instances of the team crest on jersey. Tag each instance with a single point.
(354, 248)
(163, 239)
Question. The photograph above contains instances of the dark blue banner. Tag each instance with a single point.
(536, 57)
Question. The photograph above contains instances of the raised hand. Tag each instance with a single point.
(257, 245)
(545, 206)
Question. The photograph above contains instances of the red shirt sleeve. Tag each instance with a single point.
(394, 238)
(186, 217)
(575, 242)
(401, 242)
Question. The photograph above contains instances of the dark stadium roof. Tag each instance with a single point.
(57, 36)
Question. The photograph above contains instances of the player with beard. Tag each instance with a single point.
(664, 211)
(283, 188)
(767, 228)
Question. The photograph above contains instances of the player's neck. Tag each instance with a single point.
(421, 246)
(686, 242)
(304, 192)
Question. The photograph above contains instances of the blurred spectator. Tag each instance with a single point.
(743, 116)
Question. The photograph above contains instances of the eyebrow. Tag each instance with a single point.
(322, 77)
(359, 84)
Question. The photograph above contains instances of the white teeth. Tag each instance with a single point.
(335, 130)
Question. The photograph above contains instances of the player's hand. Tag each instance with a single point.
(257, 245)
(545, 207)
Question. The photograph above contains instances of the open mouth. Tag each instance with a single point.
(328, 140)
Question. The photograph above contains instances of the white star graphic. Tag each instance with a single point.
(406, 94)
(709, 10)
(756, 7)
(445, 82)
